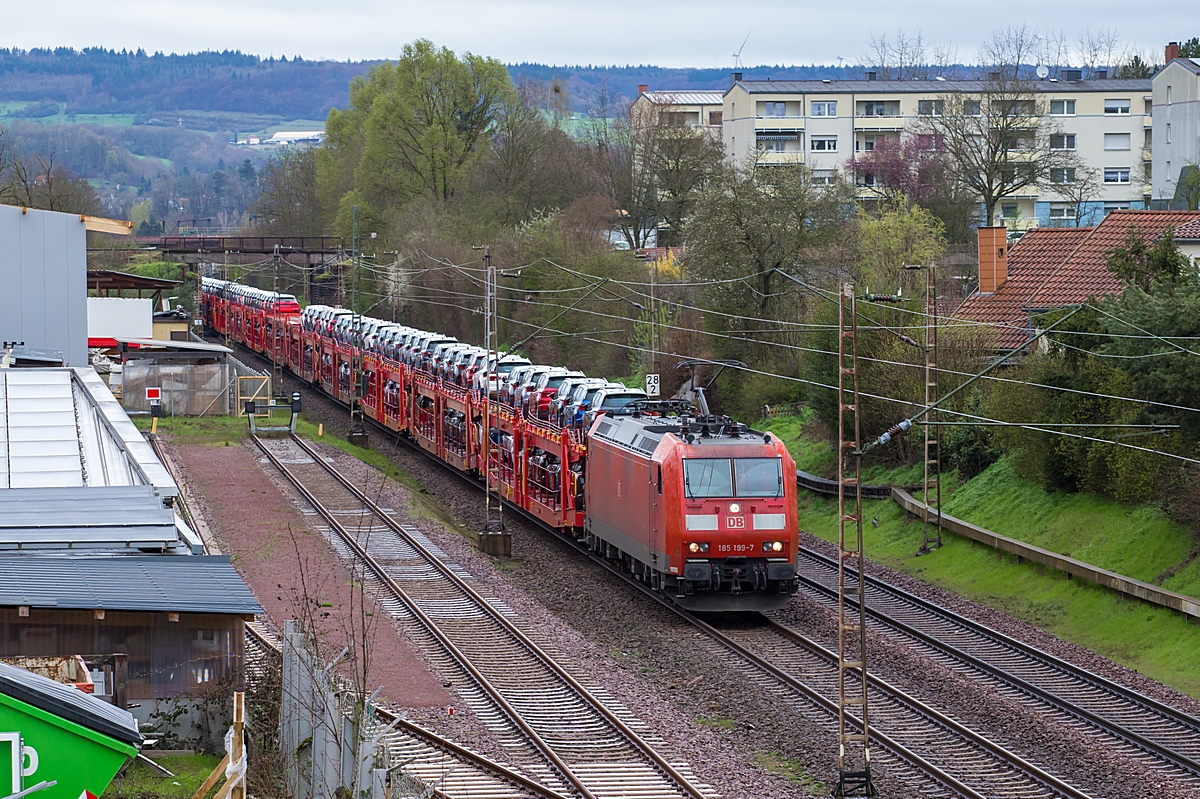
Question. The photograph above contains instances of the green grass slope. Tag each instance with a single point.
(1137, 541)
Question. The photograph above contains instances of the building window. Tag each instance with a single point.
(930, 108)
(1062, 212)
(771, 145)
(868, 179)
(1168, 133)
(1062, 108)
(1116, 106)
(880, 109)
(971, 108)
(1116, 175)
(867, 144)
(1008, 211)
(714, 117)
(1064, 176)
(1168, 95)
(1116, 141)
(774, 109)
(1115, 206)
(826, 108)
(1062, 141)
(823, 144)
(823, 177)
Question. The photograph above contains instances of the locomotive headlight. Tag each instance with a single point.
(772, 546)
(696, 547)
(735, 507)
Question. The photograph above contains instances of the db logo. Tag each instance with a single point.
(735, 522)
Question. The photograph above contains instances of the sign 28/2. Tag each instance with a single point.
(652, 385)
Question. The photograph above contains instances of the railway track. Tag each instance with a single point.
(1127, 717)
(1138, 726)
(558, 730)
(455, 771)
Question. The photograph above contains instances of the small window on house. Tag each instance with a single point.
(774, 109)
(1008, 210)
(1168, 95)
(930, 108)
(1116, 141)
(1062, 141)
(1168, 133)
(1116, 175)
(823, 144)
(971, 108)
(1062, 108)
(824, 108)
(714, 117)
(823, 177)
(867, 179)
(867, 144)
(1064, 176)
(1109, 207)
(878, 108)
(1149, 106)
(1116, 106)
(1062, 212)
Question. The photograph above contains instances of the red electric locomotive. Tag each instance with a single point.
(696, 505)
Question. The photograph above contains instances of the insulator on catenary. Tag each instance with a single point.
(895, 431)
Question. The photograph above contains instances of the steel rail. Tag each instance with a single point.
(432, 628)
(612, 718)
(1019, 683)
(890, 743)
(438, 742)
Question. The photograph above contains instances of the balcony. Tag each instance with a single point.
(768, 158)
(779, 123)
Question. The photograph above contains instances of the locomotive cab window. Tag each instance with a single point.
(759, 477)
(707, 477)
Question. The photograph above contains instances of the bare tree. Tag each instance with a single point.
(1082, 188)
(903, 56)
(41, 182)
(1099, 49)
(288, 203)
(998, 141)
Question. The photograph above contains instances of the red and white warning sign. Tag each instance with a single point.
(154, 393)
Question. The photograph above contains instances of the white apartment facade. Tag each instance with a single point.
(826, 124)
(1177, 124)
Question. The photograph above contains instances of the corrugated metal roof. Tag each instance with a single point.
(686, 97)
(112, 517)
(62, 428)
(200, 584)
(931, 86)
(68, 702)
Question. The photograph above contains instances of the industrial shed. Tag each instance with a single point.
(94, 560)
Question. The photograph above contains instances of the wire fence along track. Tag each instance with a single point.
(592, 749)
(1135, 725)
(457, 772)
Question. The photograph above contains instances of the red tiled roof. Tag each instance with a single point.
(1189, 231)
(1031, 261)
(1085, 274)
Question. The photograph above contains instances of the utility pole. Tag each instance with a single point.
(933, 435)
(276, 361)
(492, 335)
(358, 432)
(854, 745)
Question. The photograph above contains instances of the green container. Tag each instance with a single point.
(50, 731)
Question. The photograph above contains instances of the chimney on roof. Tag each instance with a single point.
(1172, 52)
(735, 77)
(993, 258)
(643, 88)
(872, 75)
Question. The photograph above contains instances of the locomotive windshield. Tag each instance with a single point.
(705, 478)
(759, 477)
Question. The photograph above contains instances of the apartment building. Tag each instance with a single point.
(828, 123)
(696, 109)
(1176, 144)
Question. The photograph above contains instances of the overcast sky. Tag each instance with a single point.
(702, 33)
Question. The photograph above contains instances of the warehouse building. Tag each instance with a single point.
(94, 559)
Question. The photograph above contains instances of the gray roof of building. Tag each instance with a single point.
(931, 86)
(686, 97)
(1187, 63)
(199, 584)
(68, 702)
(62, 428)
(135, 344)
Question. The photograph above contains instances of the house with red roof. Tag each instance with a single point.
(1052, 268)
